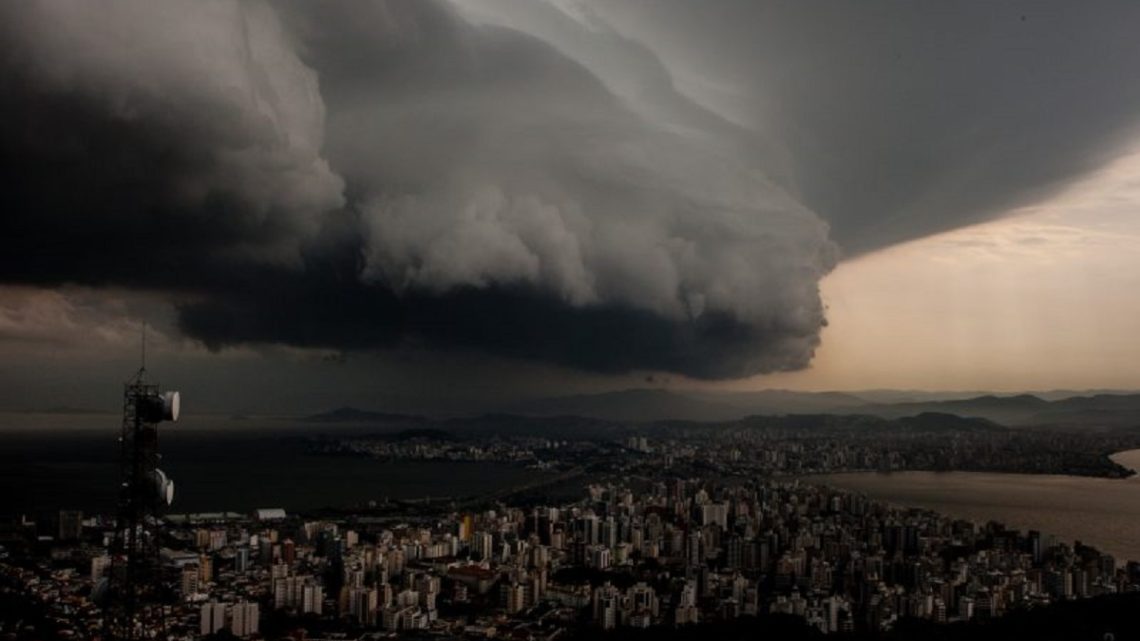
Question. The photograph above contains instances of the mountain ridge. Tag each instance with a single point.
(647, 405)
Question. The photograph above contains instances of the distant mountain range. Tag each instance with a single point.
(658, 404)
(652, 405)
(403, 427)
(1097, 410)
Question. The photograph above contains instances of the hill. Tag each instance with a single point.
(1097, 411)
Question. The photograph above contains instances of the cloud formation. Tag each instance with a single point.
(900, 119)
(507, 201)
(143, 142)
(520, 179)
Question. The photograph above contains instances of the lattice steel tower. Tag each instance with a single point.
(134, 607)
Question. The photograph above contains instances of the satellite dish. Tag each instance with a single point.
(171, 405)
(163, 487)
(160, 407)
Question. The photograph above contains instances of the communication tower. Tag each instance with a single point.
(133, 592)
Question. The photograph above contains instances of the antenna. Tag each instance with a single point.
(134, 597)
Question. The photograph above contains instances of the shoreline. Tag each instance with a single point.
(1101, 512)
(1132, 467)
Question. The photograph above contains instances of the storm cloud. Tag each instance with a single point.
(896, 119)
(524, 180)
(142, 142)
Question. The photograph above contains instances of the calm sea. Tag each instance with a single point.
(1104, 513)
(50, 462)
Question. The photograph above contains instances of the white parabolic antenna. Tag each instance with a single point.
(171, 405)
(163, 487)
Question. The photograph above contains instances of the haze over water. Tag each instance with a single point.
(52, 462)
(1104, 513)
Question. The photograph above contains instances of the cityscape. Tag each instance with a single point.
(698, 525)
(661, 552)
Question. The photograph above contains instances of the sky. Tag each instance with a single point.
(1044, 298)
(452, 205)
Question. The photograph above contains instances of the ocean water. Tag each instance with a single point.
(50, 462)
(1104, 513)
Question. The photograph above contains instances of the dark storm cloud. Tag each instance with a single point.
(446, 186)
(531, 184)
(519, 321)
(906, 118)
(145, 144)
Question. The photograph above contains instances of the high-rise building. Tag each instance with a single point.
(715, 514)
(205, 568)
(484, 545)
(212, 617)
(687, 611)
(312, 599)
(70, 525)
(363, 604)
(297, 592)
(466, 528)
(539, 556)
(265, 551)
(641, 599)
(512, 597)
(599, 557)
(608, 532)
(734, 551)
(241, 560)
(693, 549)
(278, 571)
(244, 619)
(99, 566)
(189, 581)
(965, 608)
(607, 603)
(201, 538)
(428, 586)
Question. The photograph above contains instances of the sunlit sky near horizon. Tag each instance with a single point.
(1045, 298)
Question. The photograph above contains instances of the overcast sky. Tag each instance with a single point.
(413, 204)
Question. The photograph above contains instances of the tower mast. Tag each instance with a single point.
(134, 609)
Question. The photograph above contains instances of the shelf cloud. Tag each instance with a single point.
(895, 119)
(529, 180)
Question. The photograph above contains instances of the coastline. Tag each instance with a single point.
(1098, 511)
(1126, 459)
